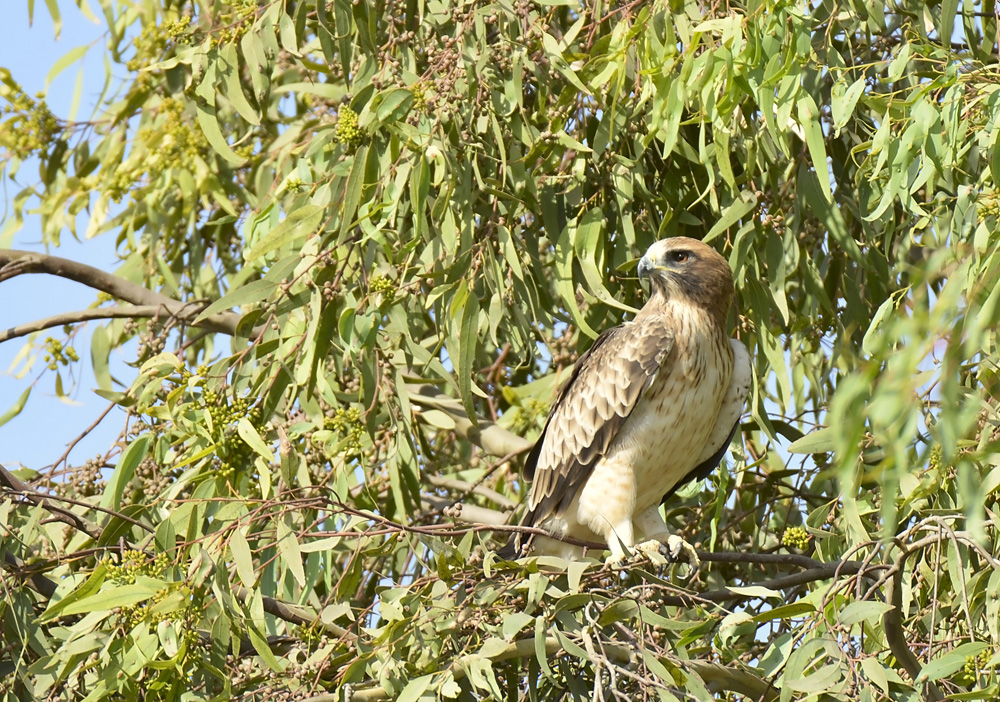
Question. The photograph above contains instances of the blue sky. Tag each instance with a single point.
(40, 434)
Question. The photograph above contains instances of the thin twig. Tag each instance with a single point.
(72, 444)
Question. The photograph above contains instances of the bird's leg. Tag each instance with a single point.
(661, 542)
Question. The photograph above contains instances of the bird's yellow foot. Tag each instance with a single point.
(671, 550)
(619, 561)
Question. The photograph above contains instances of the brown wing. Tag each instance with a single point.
(591, 409)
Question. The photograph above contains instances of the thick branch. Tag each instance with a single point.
(720, 678)
(491, 437)
(14, 263)
(36, 581)
(824, 571)
(9, 481)
(462, 486)
(470, 514)
(295, 614)
(895, 636)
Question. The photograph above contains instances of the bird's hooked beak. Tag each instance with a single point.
(645, 268)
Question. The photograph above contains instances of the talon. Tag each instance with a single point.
(673, 549)
(676, 546)
(654, 552)
(617, 561)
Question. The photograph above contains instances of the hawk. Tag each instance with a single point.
(651, 406)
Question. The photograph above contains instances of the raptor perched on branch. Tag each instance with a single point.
(651, 406)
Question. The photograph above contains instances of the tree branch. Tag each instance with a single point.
(44, 586)
(295, 614)
(129, 312)
(470, 514)
(9, 481)
(14, 263)
(490, 437)
(469, 488)
(824, 571)
(892, 622)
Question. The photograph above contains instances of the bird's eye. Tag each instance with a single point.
(679, 256)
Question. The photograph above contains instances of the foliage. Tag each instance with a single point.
(422, 212)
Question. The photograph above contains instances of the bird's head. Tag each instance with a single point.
(689, 269)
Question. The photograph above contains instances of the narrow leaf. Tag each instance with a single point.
(124, 471)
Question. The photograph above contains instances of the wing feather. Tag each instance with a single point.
(590, 410)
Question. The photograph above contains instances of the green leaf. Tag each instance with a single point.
(586, 245)
(87, 588)
(657, 668)
(100, 354)
(514, 622)
(947, 12)
(951, 662)
(843, 100)
(820, 441)
(541, 656)
(468, 342)
(353, 190)
(737, 210)
(875, 672)
(249, 434)
(53, 7)
(124, 471)
(564, 282)
(252, 293)
(109, 598)
(900, 62)
(415, 688)
(857, 612)
(755, 591)
(439, 419)
(234, 89)
(288, 547)
(208, 121)
(622, 610)
(16, 408)
(809, 120)
(394, 105)
(788, 611)
(71, 57)
(868, 344)
(297, 225)
(449, 688)
(256, 632)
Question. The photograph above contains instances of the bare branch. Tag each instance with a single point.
(296, 614)
(470, 514)
(69, 448)
(36, 581)
(9, 481)
(462, 486)
(129, 312)
(892, 621)
(14, 263)
(490, 437)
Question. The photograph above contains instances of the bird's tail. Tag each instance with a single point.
(513, 549)
(518, 544)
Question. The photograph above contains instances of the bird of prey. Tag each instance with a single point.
(651, 406)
